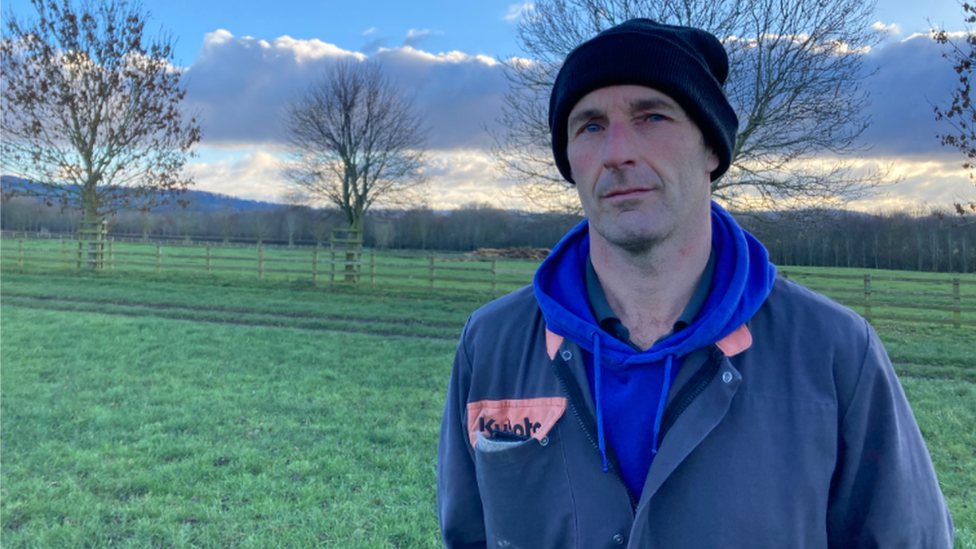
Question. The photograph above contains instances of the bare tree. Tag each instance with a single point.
(91, 109)
(795, 83)
(292, 216)
(960, 115)
(356, 139)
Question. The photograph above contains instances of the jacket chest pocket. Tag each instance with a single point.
(525, 492)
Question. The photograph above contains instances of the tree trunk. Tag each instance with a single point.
(951, 247)
(918, 243)
(876, 246)
(94, 239)
(965, 254)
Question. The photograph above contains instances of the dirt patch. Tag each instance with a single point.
(521, 252)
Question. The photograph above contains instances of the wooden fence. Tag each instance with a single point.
(876, 297)
(869, 293)
(333, 265)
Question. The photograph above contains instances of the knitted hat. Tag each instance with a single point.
(687, 64)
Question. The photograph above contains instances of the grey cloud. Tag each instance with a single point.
(239, 85)
(373, 45)
(460, 97)
(911, 78)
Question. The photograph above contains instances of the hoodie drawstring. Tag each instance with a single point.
(599, 409)
(661, 403)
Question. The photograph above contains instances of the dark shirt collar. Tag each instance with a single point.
(610, 322)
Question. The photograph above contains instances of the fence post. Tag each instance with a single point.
(331, 264)
(20, 253)
(315, 265)
(372, 267)
(209, 264)
(80, 244)
(867, 297)
(159, 259)
(260, 263)
(494, 274)
(64, 254)
(431, 269)
(956, 306)
(111, 256)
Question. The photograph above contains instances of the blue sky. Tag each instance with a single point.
(470, 26)
(245, 60)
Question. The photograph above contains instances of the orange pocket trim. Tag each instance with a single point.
(532, 417)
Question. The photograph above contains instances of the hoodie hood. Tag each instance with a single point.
(742, 281)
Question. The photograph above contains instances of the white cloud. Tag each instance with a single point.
(369, 31)
(892, 29)
(466, 176)
(256, 176)
(933, 182)
(457, 177)
(517, 11)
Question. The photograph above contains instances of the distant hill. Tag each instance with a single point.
(200, 201)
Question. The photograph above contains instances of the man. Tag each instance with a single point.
(658, 386)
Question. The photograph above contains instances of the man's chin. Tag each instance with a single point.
(633, 242)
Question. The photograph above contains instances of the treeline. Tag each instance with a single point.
(919, 240)
(468, 228)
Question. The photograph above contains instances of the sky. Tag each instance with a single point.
(244, 61)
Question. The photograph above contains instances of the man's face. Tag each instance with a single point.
(641, 166)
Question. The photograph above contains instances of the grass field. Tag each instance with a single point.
(194, 411)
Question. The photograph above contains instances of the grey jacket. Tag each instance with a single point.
(792, 432)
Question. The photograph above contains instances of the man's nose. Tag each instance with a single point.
(618, 149)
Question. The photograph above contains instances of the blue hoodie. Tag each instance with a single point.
(623, 378)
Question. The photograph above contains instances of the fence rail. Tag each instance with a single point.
(876, 297)
(869, 291)
(333, 265)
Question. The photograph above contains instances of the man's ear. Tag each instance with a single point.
(712, 162)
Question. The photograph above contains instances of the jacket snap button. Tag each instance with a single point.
(727, 377)
(618, 539)
(567, 355)
(544, 441)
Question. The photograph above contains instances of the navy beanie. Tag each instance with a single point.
(687, 64)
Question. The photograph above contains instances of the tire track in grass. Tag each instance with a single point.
(255, 320)
(935, 371)
(244, 311)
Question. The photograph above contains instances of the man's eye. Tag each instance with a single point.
(591, 128)
(655, 117)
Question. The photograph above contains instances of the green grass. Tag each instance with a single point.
(169, 433)
(946, 415)
(195, 411)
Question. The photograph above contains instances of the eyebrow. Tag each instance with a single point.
(651, 104)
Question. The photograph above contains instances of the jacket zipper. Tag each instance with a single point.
(572, 394)
(695, 386)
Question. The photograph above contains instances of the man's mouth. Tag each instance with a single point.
(628, 193)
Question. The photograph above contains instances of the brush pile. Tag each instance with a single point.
(521, 252)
